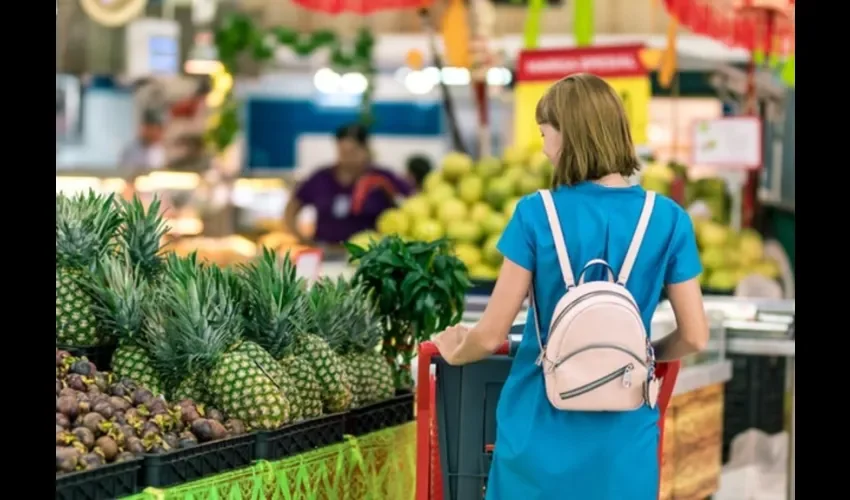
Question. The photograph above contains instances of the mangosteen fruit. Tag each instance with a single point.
(108, 447)
(85, 436)
(119, 403)
(134, 445)
(104, 408)
(93, 422)
(66, 459)
(91, 461)
(124, 456)
(102, 380)
(171, 439)
(83, 367)
(75, 381)
(60, 357)
(118, 389)
(62, 420)
(150, 428)
(64, 438)
(58, 386)
(186, 440)
(206, 429)
(68, 406)
(235, 426)
(142, 396)
(67, 391)
(59, 428)
(215, 414)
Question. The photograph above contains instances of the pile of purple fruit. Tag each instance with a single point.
(100, 420)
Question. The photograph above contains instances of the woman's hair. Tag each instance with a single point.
(594, 130)
(418, 166)
(354, 132)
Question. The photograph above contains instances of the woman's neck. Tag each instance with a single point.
(612, 180)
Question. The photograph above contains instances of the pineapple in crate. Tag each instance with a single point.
(122, 285)
(272, 297)
(119, 294)
(85, 227)
(198, 333)
(346, 318)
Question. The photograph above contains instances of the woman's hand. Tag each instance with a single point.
(448, 341)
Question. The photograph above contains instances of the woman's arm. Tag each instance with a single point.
(290, 217)
(682, 280)
(691, 334)
(304, 194)
(492, 331)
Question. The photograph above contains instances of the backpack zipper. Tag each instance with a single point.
(564, 359)
(563, 313)
(624, 372)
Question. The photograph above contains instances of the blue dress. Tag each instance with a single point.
(545, 454)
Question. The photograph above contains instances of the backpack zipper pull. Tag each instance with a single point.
(627, 376)
(539, 361)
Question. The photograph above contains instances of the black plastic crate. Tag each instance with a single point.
(181, 466)
(100, 355)
(301, 437)
(104, 483)
(377, 416)
(754, 398)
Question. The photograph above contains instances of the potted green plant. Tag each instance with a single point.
(419, 289)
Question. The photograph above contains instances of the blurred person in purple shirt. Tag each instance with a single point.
(349, 195)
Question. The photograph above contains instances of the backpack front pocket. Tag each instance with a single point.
(597, 377)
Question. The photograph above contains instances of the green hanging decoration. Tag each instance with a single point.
(583, 22)
(239, 36)
(531, 30)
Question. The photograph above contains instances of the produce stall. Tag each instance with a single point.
(204, 369)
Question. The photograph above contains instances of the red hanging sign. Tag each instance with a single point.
(360, 6)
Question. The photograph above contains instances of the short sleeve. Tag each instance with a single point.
(517, 241)
(684, 263)
(307, 191)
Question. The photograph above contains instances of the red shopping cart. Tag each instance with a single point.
(466, 464)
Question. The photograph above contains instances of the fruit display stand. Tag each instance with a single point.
(376, 465)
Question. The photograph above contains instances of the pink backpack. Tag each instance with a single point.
(597, 356)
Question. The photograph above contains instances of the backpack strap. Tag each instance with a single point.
(558, 237)
(637, 239)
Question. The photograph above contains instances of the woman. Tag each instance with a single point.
(348, 196)
(544, 453)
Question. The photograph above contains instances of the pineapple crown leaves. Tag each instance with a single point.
(119, 293)
(141, 234)
(344, 315)
(270, 294)
(413, 283)
(194, 320)
(86, 225)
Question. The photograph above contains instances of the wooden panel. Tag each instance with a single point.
(698, 423)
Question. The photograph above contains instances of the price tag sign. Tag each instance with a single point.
(620, 65)
(308, 263)
(733, 142)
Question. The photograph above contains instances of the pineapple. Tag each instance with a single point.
(323, 325)
(347, 320)
(123, 285)
(119, 295)
(199, 333)
(140, 237)
(85, 227)
(272, 296)
(365, 340)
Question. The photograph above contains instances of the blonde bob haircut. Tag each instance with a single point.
(594, 130)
